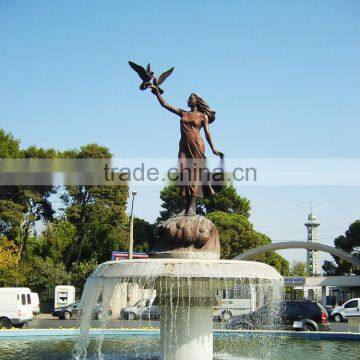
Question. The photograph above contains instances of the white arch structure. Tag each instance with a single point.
(249, 254)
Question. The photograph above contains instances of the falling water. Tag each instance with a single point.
(178, 290)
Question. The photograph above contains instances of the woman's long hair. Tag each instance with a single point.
(203, 107)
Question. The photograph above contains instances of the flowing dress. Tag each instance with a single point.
(192, 156)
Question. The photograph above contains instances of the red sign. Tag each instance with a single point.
(123, 255)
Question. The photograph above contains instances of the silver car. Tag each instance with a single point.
(143, 309)
(350, 308)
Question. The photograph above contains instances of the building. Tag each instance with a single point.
(329, 290)
(312, 261)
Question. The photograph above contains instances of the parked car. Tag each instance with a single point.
(298, 315)
(68, 311)
(35, 303)
(74, 311)
(143, 309)
(15, 307)
(98, 313)
(348, 309)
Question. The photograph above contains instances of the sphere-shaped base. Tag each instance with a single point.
(186, 236)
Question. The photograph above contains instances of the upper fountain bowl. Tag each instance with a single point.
(186, 268)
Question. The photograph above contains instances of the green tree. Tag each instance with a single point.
(93, 223)
(350, 243)
(97, 213)
(236, 235)
(143, 234)
(8, 254)
(277, 261)
(22, 206)
(14, 276)
(80, 272)
(227, 200)
(54, 242)
(171, 202)
(10, 212)
(9, 146)
(42, 275)
(35, 199)
(298, 268)
(11, 216)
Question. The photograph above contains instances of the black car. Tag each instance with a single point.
(68, 311)
(73, 310)
(298, 315)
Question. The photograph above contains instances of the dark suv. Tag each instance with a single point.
(297, 315)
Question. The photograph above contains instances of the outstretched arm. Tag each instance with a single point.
(162, 101)
(209, 137)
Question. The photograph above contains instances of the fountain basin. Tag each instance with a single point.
(117, 344)
(186, 292)
(218, 270)
(184, 281)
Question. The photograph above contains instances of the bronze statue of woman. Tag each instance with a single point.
(191, 145)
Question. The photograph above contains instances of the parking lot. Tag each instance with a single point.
(46, 321)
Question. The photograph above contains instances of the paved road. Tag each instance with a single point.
(339, 327)
(68, 324)
(45, 321)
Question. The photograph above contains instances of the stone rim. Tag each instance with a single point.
(186, 268)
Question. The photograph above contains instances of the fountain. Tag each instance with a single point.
(185, 270)
(185, 288)
(185, 267)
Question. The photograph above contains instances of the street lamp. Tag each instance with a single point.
(131, 242)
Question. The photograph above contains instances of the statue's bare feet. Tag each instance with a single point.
(190, 212)
(192, 206)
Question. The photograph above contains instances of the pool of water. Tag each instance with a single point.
(136, 347)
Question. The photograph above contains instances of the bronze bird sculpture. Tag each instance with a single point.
(161, 79)
(145, 74)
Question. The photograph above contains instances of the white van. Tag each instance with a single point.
(233, 302)
(348, 309)
(35, 303)
(15, 307)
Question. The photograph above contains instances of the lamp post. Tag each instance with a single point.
(131, 242)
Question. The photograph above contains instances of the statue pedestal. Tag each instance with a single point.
(186, 237)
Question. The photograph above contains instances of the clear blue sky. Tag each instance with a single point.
(283, 76)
